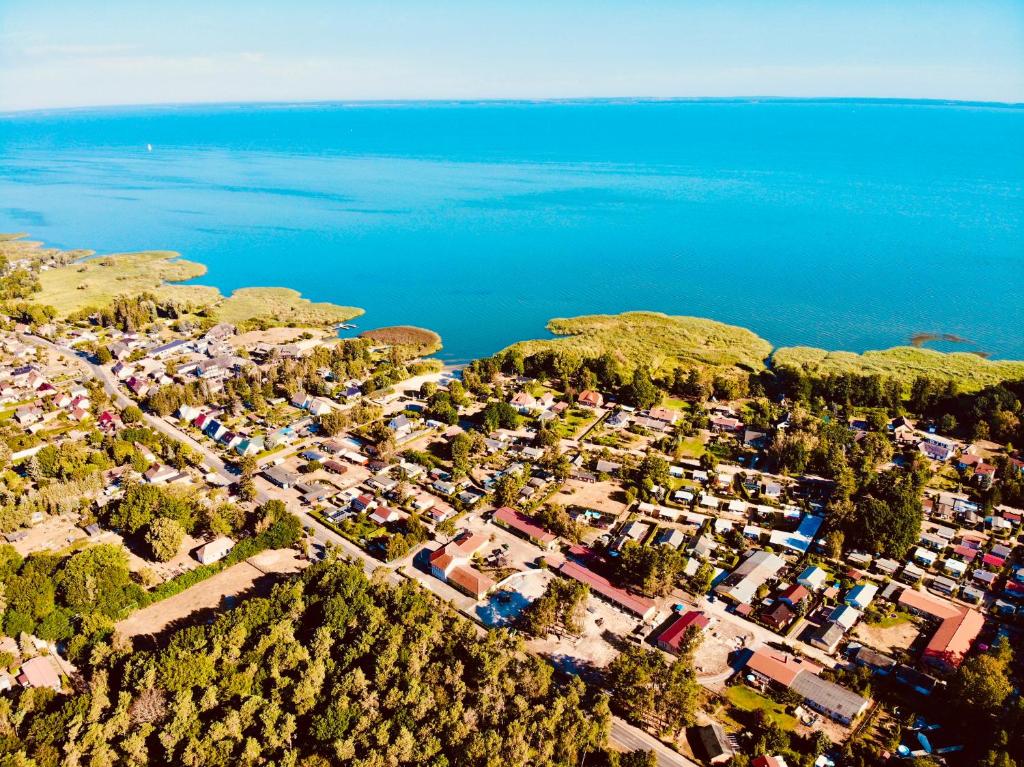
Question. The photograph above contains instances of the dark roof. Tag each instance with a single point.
(712, 741)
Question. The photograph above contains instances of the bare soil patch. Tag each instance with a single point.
(263, 568)
(898, 637)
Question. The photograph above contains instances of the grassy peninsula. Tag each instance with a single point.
(71, 284)
(280, 306)
(655, 340)
(903, 363)
(662, 342)
(96, 282)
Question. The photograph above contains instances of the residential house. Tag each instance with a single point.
(794, 594)
(280, 476)
(827, 637)
(779, 616)
(159, 474)
(384, 515)
(758, 568)
(39, 672)
(524, 403)
(862, 595)
(617, 420)
(215, 550)
(250, 446)
(813, 578)
(519, 523)
(844, 616)
(670, 640)
(713, 743)
(400, 425)
(670, 537)
(589, 398)
(457, 552)
(663, 415)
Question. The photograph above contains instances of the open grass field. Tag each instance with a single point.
(905, 363)
(95, 282)
(659, 341)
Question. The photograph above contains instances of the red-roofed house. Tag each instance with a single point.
(794, 595)
(39, 672)
(991, 560)
(590, 398)
(777, 667)
(383, 515)
(965, 552)
(949, 645)
(636, 605)
(769, 761)
(519, 523)
(456, 552)
(470, 581)
(671, 638)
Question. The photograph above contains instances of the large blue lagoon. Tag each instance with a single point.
(842, 224)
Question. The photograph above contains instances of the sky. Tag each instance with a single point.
(73, 53)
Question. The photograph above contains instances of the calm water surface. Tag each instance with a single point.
(846, 224)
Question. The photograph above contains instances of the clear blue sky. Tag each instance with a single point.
(57, 53)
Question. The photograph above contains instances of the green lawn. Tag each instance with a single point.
(889, 621)
(573, 423)
(748, 699)
(693, 447)
(674, 403)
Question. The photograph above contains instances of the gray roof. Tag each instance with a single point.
(713, 741)
(741, 584)
(828, 695)
(873, 658)
(828, 636)
(280, 475)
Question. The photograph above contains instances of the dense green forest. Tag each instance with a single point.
(332, 668)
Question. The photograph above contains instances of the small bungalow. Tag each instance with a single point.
(813, 578)
(713, 743)
(215, 550)
(280, 476)
(861, 596)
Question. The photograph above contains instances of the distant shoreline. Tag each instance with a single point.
(562, 101)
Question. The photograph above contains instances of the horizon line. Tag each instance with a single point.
(519, 100)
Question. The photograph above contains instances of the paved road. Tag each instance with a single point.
(629, 738)
(623, 735)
